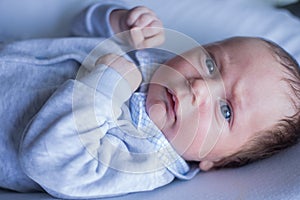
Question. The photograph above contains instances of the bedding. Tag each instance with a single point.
(204, 21)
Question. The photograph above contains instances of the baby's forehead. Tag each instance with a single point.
(264, 107)
(263, 80)
(239, 43)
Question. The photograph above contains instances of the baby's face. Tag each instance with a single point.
(209, 101)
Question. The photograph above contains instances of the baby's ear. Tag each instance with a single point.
(206, 165)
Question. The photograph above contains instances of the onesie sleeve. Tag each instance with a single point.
(78, 144)
(94, 21)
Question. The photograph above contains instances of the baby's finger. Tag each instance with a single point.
(144, 20)
(136, 36)
(136, 12)
(153, 41)
(152, 29)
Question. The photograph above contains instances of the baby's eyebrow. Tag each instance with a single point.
(234, 94)
(237, 100)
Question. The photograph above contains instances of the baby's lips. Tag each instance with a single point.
(157, 113)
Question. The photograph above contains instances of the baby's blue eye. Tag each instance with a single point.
(226, 111)
(210, 64)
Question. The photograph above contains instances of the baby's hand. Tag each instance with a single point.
(145, 30)
(126, 69)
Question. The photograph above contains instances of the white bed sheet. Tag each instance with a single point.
(277, 178)
(205, 21)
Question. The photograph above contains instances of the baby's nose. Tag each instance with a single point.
(200, 91)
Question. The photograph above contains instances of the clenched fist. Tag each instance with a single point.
(143, 28)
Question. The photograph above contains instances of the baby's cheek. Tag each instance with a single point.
(196, 132)
(157, 113)
(211, 134)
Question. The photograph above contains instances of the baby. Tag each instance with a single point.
(227, 106)
(120, 127)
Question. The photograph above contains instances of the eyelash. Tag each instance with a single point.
(210, 65)
(223, 104)
(226, 105)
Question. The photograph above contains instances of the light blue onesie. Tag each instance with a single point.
(79, 135)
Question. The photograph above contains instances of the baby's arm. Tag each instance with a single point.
(142, 28)
(71, 147)
(125, 68)
(94, 21)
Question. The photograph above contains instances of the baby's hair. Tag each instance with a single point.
(284, 133)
